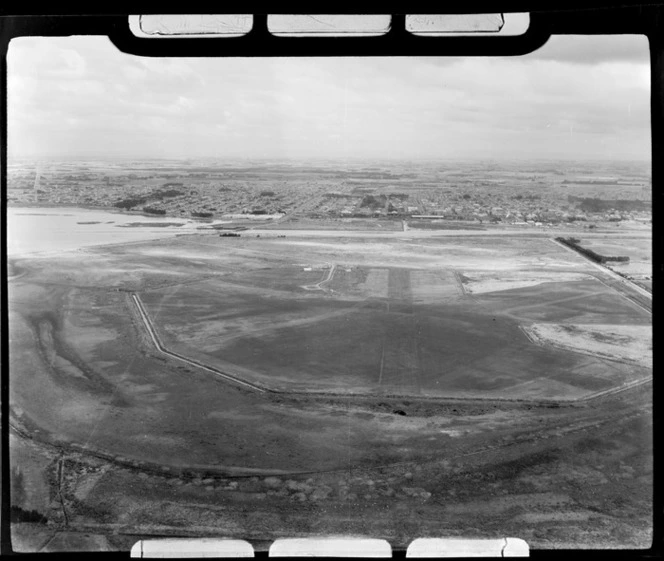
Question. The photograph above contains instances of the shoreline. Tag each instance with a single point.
(281, 224)
(138, 214)
(111, 209)
(309, 226)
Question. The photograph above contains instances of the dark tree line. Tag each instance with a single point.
(574, 243)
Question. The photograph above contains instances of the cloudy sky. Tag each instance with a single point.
(575, 98)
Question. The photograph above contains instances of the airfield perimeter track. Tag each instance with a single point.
(152, 332)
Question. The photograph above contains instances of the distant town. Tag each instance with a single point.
(426, 194)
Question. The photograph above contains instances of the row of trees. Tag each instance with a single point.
(575, 244)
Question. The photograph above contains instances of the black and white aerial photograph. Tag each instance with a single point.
(393, 297)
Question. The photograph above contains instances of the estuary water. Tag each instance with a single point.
(37, 230)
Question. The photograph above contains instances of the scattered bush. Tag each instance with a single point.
(373, 202)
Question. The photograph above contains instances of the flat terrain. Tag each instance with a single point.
(317, 317)
(410, 392)
(639, 268)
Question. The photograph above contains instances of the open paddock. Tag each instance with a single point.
(587, 301)
(388, 319)
(400, 330)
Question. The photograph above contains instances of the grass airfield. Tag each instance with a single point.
(432, 382)
(448, 318)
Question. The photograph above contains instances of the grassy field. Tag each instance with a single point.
(109, 433)
(397, 330)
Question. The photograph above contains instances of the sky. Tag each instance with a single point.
(578, 97)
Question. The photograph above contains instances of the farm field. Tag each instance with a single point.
(412, 376)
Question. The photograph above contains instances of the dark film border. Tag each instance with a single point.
(584, 17)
